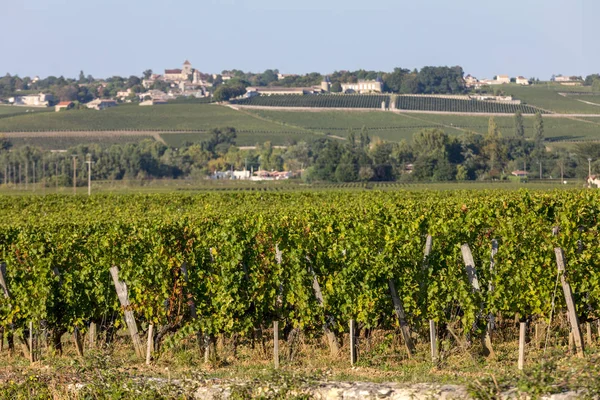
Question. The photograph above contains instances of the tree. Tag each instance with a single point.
(220, 141)
(539, 132)
(519, 126)
(81, 77)
(365, 140)
(228, 91)
(147, 74)
(336, 87)
(493, 145)
(347, 169)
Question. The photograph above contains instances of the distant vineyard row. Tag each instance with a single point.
(318, 101)
(456, 105)
(420, 103)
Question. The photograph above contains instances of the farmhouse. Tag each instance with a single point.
(271, 90)
(519, 173)
(64, 105)
(502, 79)
(101, 104)
(154, 95)
(152, 102)
(122, 95)
(363, 86)
(34, 100)
(283, 76)
(471, 81)
(522, 81)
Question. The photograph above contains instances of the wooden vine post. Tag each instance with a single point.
(192, 304)
(404, 327)
(486, 342)
(150, 344)
(278, 305)
(333, 343)
(121, 288)
(522, 331)
(6, 292)
(352, 342)
(572, 312)
(432, 325)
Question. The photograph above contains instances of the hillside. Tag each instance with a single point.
(547, 96)
(175, 124)
(398, 126)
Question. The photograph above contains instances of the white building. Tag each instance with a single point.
(152, 102)
(100, 104)
(503, 79)
(32, 100)
(272, 90)
(363, 86)
(154, 95)
(522, 81)
(471, 81)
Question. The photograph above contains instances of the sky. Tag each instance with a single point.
(533, 38)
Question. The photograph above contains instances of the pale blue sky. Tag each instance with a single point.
(124, 37)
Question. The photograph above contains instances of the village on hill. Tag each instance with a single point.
(190, 83)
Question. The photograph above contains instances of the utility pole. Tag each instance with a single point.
(562, 170)
(74, 174)
(89, 162)
(589, 167)
(540, 162)
(56, 175)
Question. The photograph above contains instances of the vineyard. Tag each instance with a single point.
(424, 103)
(317, 101)
(230, 265)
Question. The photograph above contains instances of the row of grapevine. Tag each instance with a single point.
(424, 103)
(58, 251)
(317, 101)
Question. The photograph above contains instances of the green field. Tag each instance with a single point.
(395, 127)
(385, 125)
(197, 117)
(7, 111)
(280, 127)
(64, 142)
(548, 98)
(244, 138)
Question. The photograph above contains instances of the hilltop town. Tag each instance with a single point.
(188, 82)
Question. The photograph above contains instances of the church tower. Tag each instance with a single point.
(187, 68)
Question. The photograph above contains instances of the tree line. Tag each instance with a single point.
(431, 155)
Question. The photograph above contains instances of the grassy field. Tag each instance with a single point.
(556, 128)
(279, 127)
(6, 111)
(244, 138)
(131, 117)
(64, 142)
(385, 125)
(548, 98)
(395, 127)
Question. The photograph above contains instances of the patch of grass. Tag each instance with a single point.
(547, 96)
(64, 142)
(244, 138)
(396, 127)
(195, 117)
(6, 111)
(114, 372)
